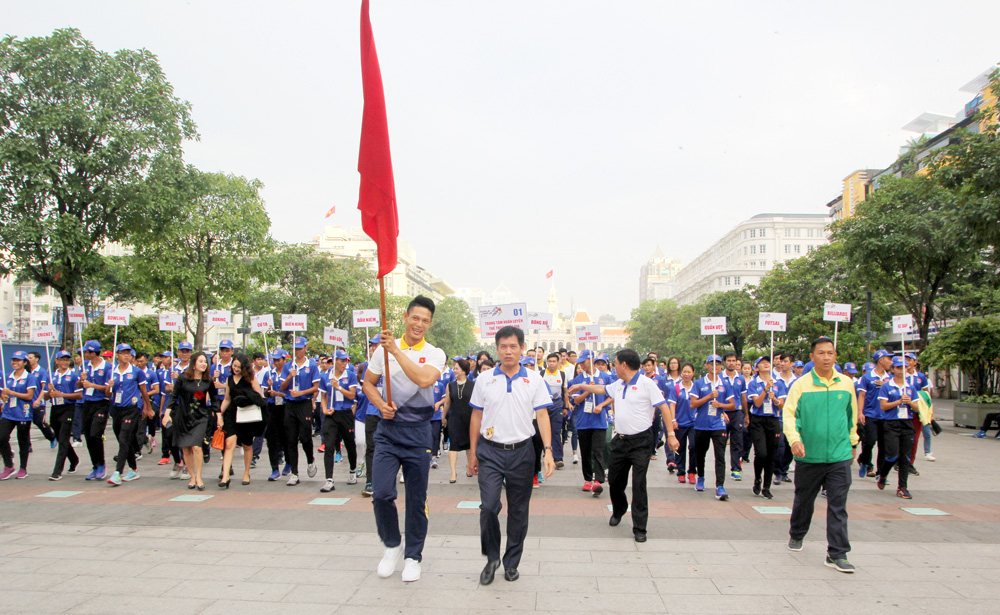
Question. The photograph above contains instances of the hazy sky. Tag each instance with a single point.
(571, 135)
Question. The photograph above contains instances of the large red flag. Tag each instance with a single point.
(377, 198)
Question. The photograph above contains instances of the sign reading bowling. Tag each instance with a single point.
(262, 323)
(713, 325)
(588, 333)
(76, 315)
(119, 317)
(293, 322)
(772, 321)
(335, 337)
(219, 318)
(492, 318)
(365, 318)
(540, 320)
(902, 324)
(171, 322)
(837, 312)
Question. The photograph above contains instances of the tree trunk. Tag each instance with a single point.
(67, 333)
(199, 335)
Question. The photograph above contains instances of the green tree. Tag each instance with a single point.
(740, 310)
(453, 326)
(972, 345)
(650, 325)
(143, 333)
(82, 135)
(207, 253)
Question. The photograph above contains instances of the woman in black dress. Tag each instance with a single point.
(457, 415)
(192, 401)
(241, 418)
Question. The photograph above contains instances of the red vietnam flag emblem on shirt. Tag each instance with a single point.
(422, 360)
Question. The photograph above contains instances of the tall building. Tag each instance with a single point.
(749, 251)
(656, 277)
(407, 279)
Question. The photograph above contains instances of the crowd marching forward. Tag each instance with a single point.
(517, 417)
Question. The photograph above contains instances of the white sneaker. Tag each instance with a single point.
(293, 479)
(327, 486)
(411, 570)
(576, 458)
(930, 457)
(401, 477)
(311, 470)
(76, 444)
(434, 462)
(185, 475)
(352, 478)
(389, 561)
(176, 471)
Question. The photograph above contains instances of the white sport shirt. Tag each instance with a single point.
(635, 403)
(509, 404)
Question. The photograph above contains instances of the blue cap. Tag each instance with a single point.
(167, 353)
(92, 346)
(867, 367)
(185, 346)
(911, 355)
(471, 357)
(713, 358)
(342, 355)
(851, 368)
(527, 361)
(584, 356)
(603, 357)
(20, 355)
(123, 347)
(798, 364)
(226, 344)
(881, 353)
(301, 342)
(759, 359)
(376, 340)
(279, 353)
(457, 357)
(62, 354)
(897, 362)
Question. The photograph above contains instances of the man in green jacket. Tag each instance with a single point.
(819, 422)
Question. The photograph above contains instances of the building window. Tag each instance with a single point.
(737, 280)
(809, 249)
(763, 248)
(809, 232)
(798, 232)
(763, 264)
(753, 233)
(763, 232)
(788, 232)
(798, 249)
(788, 248)
(753, 249)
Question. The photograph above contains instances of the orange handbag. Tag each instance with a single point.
(219, 440)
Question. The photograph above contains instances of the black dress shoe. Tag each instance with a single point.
(486, 576)
(511, 574)
(614, 520)
(640, 536)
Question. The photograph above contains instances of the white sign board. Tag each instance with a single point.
(171, 322)
(4, 331)
(772, 321)
(335, 337)
(540, 320)
(46, 334)
(837, 312)
(293, 322)
(262, 323)
(365, 318)
(492, 318)
(76, 315)
(588, 333)
(902, 324)
(713, 325)
(117, 316)
(218, 318)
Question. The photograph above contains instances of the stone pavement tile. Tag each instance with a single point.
(625, 543)
(592, 569)
(68, 551)
(644, 557)
(948, 606)
(58, 540)
(703, 571)
(942, 575)
(774, 587)
(601, 603)
(355, 562)
(228, 607)
(526, 567)
(328, 593)
(689, 546)
(62, 568)
(444, 580)
(40, 601)
(472, 542)
(746, 559)
(155, 556)
(961, 548)
(624, 585)
(304, 537)
(310, 576)
(539, 584)
(698, 587)
(178, 543)
(405, 610)
(130, 605)
(278, 560)
(224, 544)
(978, 591)
(952, 561)
(903, 549)
(11, 564)
(901, 589)
(869, 605)
(145, 531)
(727, 605)
(236, 534)
(815, 570)
(230, 590)
(48, 528)
(114, 585)
(398, 594)
(182, 571)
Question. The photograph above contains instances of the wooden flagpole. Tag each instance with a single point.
(385, 326)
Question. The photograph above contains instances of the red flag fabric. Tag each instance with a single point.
(377, 197)
(332, 211)
(549, 274)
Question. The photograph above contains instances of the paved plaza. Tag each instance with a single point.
(78, 547)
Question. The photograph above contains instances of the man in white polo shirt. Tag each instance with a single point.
(636, 398)
(504, 402)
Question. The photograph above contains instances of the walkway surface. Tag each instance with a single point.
(79, 547)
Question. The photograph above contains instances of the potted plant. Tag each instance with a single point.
(973, 346)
